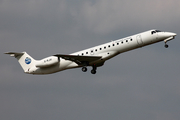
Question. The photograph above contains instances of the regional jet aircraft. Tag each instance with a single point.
(95, 56)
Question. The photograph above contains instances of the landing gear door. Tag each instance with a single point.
(139, 40)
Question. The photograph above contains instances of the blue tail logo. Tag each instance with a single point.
(27, 60)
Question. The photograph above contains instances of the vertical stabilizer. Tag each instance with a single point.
(25, 60)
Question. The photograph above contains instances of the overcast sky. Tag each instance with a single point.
(143, 84)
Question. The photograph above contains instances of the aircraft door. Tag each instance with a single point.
(156, 36)
(139, 39)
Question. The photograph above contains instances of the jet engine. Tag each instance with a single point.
(47, 62)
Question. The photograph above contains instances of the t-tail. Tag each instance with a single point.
(25, 60)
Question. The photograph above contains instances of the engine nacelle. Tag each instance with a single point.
(47, 62)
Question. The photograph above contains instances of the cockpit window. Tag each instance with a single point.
(153, 32)
(157, 30)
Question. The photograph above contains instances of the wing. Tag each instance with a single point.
(80, 60)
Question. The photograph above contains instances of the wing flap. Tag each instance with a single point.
(79, 59)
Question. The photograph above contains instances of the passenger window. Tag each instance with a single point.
(96, 50)
(86, 52)
(109, 46)
(82, 53)
(100, 48)
(131, 39)
(117, 43)
(113, 44)
(126, 40)
(122, 42)
(105, 47)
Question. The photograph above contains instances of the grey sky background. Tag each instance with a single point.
(138, 85)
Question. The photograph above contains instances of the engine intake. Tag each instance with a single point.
(48, 62)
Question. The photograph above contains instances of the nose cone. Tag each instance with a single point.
(166, 35)
(170, 34)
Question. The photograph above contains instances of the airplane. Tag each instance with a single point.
(94, 56)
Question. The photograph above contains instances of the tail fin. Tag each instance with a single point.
(25, 60)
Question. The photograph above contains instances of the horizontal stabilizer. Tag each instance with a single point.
(14, 54)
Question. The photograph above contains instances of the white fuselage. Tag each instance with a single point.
(106, 51)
